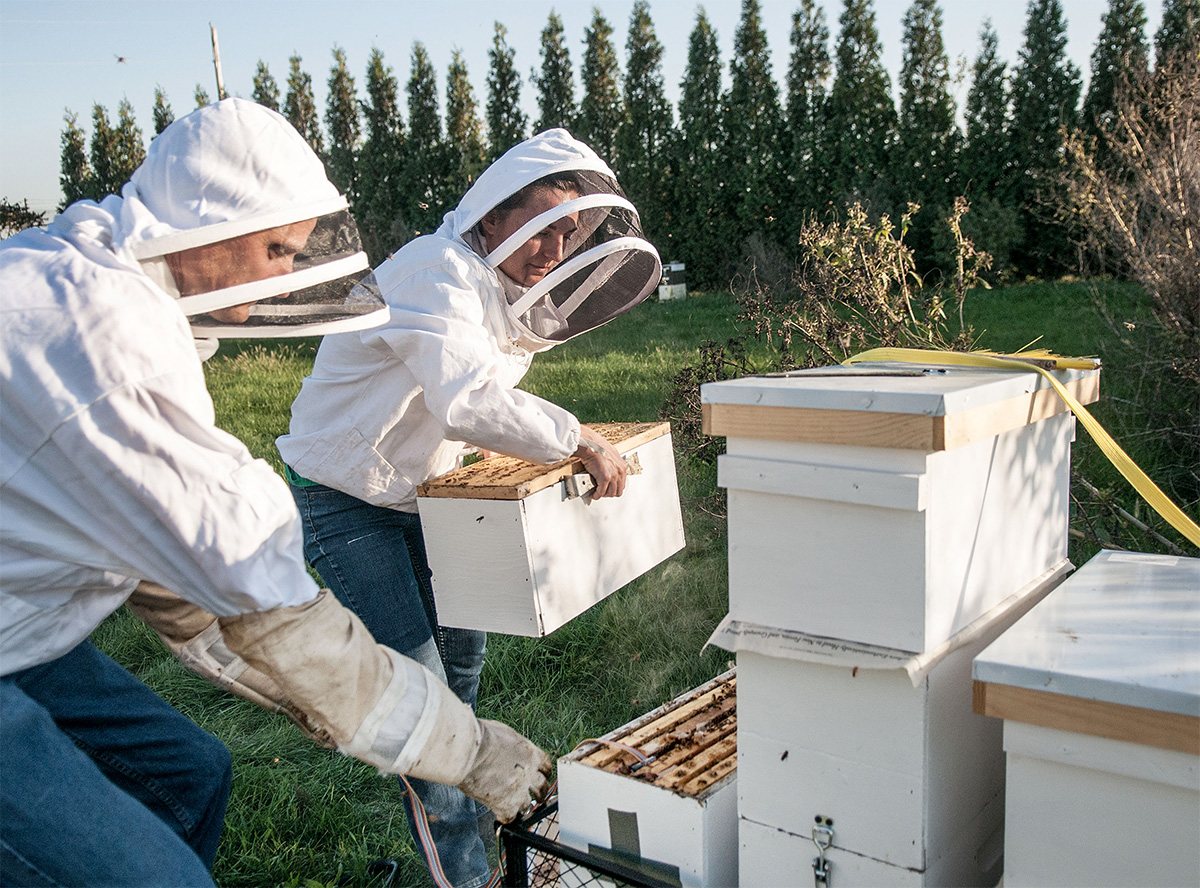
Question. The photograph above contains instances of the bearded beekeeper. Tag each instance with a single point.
(114, 478)
(543, 247)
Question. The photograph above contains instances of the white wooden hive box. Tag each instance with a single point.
(889, 504)
(1099, 689)
(515, 548)
(675, 814)
(883, 743)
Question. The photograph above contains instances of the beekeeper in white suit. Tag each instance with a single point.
(114, 477)
(543, 247)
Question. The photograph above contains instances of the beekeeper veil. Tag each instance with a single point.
(216, 184)
(607, 266)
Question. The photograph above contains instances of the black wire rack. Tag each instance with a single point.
(534, 858)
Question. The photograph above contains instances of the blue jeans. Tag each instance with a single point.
(373, 559)
(103, 782)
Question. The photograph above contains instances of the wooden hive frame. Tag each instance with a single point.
(690, 743)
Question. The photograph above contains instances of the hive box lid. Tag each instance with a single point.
(509, 478)
(1114, 651)
(888, 404)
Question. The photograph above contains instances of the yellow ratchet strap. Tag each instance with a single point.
(1043, 362)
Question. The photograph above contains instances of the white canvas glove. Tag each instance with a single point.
(318, 664)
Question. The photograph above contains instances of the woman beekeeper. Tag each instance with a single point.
(543, 247)
(114, 478)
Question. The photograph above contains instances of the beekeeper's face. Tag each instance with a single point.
(532, 261)
(239, 260)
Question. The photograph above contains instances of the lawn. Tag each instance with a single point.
(302, 815)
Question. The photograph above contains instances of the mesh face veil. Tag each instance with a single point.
(607, 266)
(232, 213)
(330, 289)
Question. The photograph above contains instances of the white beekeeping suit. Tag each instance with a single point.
(113, 474)
(461, 334)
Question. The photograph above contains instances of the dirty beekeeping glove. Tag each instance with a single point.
(383, 708)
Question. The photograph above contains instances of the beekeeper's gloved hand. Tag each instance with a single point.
(509, 773)
(602, 461)
(383, 708)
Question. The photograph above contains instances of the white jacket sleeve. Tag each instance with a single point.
(438, 329)
(142, 481)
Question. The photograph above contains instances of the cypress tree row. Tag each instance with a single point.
(1045, 99)
(103, 155)
(266, 90)
(699, 187)
(861, 124)
(555, 84)
(464, 132)
(1179, 31)
(1121, 54)
(75, 172)
(163, 115)
(426, 179)
(505, 119)
(807, 92)
(928, 134)
(600, 111)
(644, 139)
(381, 162)
(342, 124)
(985, 164)
(300, 108)
(752, 144)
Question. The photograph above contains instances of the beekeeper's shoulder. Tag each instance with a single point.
(431, 260)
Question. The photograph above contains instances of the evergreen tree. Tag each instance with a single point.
(379, 209)
(426, 158)
(1045, 99)
(698, 220)
(300, 108)
(752, 134)
(1121, 52)
(128, 144)
(343, 126)
(928, 134)
(266, 90)
(807, 88)
(1179, 31)
(163, 115)
(860, 127)
(464, 131)
(985, 164)
(103, 154)
(600, 111)
(556, 84)
(643, 141)
(75, 172)
(505, 119)
(201, 96)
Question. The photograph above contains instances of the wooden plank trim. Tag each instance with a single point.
(904, 431)
(1116, 721)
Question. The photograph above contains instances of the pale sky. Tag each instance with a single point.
(64, 54)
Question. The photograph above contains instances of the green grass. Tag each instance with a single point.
(300, 814)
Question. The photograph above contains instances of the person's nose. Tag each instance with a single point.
(552, 247)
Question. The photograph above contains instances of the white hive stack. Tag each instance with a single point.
(1099, 689)
(522, 549)
(885, 523)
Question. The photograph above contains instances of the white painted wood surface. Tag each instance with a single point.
(527, 566)
(899, 550)
(1124, 629)
(1090, 811)
(912, 778)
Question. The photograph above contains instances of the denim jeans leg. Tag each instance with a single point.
(373, 560)
(104, 783)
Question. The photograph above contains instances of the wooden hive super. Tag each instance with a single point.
(521, 548)
(661, 792)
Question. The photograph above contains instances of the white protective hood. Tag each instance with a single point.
(233, 168)
(608, 267)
